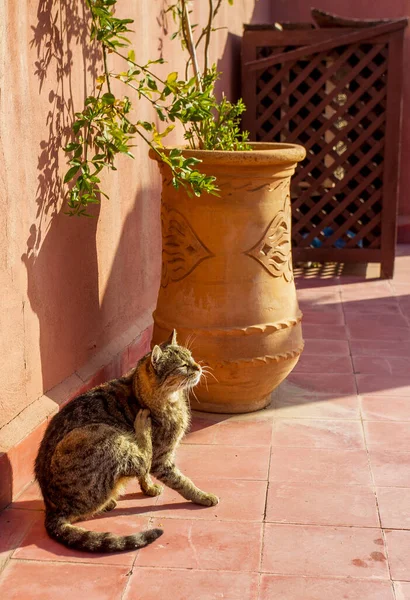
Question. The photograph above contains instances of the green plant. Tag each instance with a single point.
(104, 128)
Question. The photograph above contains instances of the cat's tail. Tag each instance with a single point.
(61, 530)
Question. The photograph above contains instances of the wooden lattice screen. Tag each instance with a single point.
(336, 91)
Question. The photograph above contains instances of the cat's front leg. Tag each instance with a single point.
(148, 487)
(169, 474)
(143, 434)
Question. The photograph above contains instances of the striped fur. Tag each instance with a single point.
(128, 427)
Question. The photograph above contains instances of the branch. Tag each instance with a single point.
(107, 74)
(208, 30)
(191, 47)
(139, 66)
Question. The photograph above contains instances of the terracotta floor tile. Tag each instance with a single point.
(317, 292)
(401, 289)
(365, 290)
(36, 545)
(327, 304)
(48, 581)
(13, 526)
(402, 590)
(195, 544)
(239, 500)
(405, 308)
(318, 464)
(398, 544)
(401, 275)
(290, 403)
(189, 584)
(378, 365)
(223, 462)
(383, 385)
(30, 498)
(326, 383)
(375, 306)
(380, 322)
(133, 501)
(310, 433)
(201, 432)
(321, 504)
(394, 507)
(390, 468)
(22, 458)
(384, 408)
(326, 347)
(322, 317)
(311, 588)
(369, 330)
(324, 331)
(325, 363)
(387, 435)
(380, 348)
(324, 551)
(243, 433)
(228, 432)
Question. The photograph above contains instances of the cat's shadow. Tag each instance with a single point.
(35, 539)
(38, 506)
(135, 510)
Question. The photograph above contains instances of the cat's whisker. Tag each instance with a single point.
(189, 342)
(206, 365)
(211, 374)
(206, 381)
(195, 396)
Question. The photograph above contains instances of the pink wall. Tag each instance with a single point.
(72, 289)
(299, 10)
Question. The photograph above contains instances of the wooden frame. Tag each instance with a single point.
(338, 92)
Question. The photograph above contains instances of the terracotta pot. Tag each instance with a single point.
(227, 282)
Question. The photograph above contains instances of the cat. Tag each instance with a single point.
(129, 427)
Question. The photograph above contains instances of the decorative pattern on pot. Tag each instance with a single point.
(250, 330)
(274, 249)
(182, 250)
(227, 281)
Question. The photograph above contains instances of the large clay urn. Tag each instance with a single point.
(227, 283)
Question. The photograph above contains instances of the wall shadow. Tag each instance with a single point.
(6, 480)
(134, 277)
(230, 62)
(61, 257)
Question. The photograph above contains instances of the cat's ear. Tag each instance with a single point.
(172, 340)
(156, 355)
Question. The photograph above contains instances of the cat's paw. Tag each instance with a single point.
(154, 490)
(109, 506)
(142, 420)
(208, 500)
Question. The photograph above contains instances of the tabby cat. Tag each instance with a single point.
(128, 427)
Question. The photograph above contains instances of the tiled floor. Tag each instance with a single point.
(315, 490)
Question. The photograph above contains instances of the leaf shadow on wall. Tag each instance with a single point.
(61, 256)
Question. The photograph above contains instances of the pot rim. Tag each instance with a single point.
(263, 153)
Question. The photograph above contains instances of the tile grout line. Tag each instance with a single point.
(259, 590)
(16, 546)
(377, 504)
(228, 571)
(266, 503)
(377, 500)
(349, 340)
